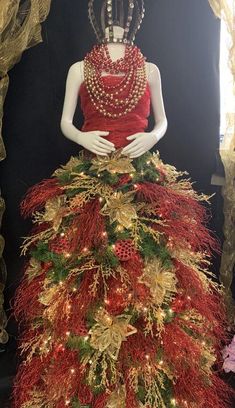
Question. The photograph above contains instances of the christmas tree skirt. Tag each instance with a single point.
(117, 305)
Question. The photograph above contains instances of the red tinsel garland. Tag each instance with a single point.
(37, 196)
(184, 217)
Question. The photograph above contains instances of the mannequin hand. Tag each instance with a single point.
(95, 142)
(142, 142)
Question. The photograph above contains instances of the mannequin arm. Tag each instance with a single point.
(142, 142)
(155, 85)
(93, 141)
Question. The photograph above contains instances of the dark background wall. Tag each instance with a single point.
(181, 37)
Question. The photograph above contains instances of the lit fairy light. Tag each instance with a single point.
(173, 402)
(104, 234)
(68, 333)
(101, 199)
(85, 249)
(67, 255)
(62, 234)
(72, 370)
(161, 362)
(86, 338)
(147, 356)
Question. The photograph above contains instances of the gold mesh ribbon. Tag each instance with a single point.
(20, 29)
(225, 10)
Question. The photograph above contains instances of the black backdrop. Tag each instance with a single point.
(180, 36)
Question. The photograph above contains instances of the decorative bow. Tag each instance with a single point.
(109, 332)
(118, 398)
(54, 211)
(161, 281)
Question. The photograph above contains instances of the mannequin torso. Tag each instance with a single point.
(95, 141)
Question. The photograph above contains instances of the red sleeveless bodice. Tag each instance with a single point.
(134, 122)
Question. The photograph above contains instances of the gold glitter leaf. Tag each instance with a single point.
(72, 163)
(117, 399)
(33, 269)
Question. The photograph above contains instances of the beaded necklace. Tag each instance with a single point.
(122, 97)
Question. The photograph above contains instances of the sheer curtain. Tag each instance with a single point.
(20, 28)
(225, 10)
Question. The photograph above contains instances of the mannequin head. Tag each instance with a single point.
(116, 21)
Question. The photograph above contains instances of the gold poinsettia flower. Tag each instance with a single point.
(119, 208)
(109, 332)
(54, 211)
(114, 163)
(72, 163)
(161, 281)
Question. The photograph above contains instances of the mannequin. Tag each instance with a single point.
(140, 143)
(116, 296)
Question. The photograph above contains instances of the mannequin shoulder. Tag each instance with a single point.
(76, 70)
(153, 72)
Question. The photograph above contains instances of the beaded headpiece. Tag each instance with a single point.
(127, 14)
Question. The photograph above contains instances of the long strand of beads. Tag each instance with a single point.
(122, 97)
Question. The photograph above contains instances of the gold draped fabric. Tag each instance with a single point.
(225, 9)
(20, 29)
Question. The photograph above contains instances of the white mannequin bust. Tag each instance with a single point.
(95, 141)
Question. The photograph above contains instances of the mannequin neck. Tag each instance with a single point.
(116, 50)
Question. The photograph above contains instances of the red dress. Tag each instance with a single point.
(119, 129)
(116, 304)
